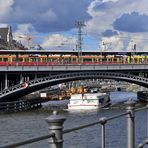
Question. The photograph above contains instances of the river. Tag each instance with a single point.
(20, 126)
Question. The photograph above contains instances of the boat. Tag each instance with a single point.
(142, 96)
(89, 101)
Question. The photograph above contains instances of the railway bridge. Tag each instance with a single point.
(39, 75)
(20, 90)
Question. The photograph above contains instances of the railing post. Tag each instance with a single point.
(55, 125)
(130, 124)
(103, 121)
(140, 146)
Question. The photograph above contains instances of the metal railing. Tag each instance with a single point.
(21, 105)
(55, 126)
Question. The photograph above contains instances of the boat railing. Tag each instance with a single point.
(56, 121)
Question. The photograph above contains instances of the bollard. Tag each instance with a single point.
(140, 146)
(130, 124)
(55, 125)
(103, 121)
(143, 144)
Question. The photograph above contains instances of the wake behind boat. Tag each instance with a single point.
(89, 101)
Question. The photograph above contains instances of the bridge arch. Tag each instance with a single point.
(37, 84)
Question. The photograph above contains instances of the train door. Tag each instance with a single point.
(129, 59)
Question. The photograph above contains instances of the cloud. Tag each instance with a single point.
(109, 0)
(24, 28)
(44, 15)
(104, 5)
(58, 41)
(21, 34)
(105, 12)
(113, 43)
(4, 25)
(103, 18)
(109, 33)
(133, 22)
(5, 8)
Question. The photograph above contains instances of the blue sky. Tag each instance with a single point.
(110, 24)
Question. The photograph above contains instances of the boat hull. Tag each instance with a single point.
(87, 107)
(142, 96)
(88, 101)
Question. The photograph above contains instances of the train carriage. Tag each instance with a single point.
(62, 58)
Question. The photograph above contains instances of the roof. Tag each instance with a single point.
(68, 52)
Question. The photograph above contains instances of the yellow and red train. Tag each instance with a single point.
(53, 59)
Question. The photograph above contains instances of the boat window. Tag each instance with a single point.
(101, 100)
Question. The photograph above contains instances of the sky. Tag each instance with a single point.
(110, 25)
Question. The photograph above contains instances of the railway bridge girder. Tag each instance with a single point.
(36, 84)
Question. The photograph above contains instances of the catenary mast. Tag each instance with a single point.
(79, 25)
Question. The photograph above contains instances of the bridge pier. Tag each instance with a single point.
(6, 81)
(35, 76)
(21, 78)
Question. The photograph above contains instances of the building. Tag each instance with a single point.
(6, 34)
(6, 40)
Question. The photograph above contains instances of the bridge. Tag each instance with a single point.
(39, 75)
(40, 83)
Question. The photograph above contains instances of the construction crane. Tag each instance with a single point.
(28, 38)
(66, 43)
(105, 45)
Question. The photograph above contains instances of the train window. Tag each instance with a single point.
(67, 58)
(44, 59)
(33, 59)
(21, 59)
(87, 59)
(5, 59)
(115, 60)
(104, 59)
(26, 59)
(54, 59)
(142, 60)
(37, 60)
(73, 59)
(135, 60)
(49, 59)
(109, 60)
(13, 59)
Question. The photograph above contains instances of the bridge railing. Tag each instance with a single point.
(55, 126)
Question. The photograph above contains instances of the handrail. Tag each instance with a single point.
(142, 108)
(143, 144)
(57, 120)
(28, 141)
(94, 123)
(64, 132)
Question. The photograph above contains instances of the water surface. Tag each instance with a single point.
(20, 126)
